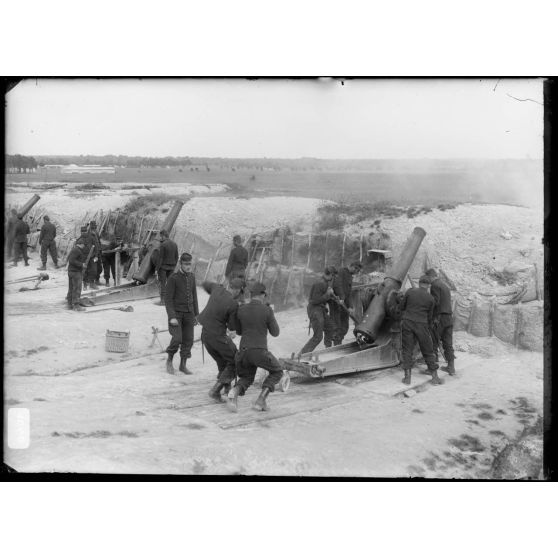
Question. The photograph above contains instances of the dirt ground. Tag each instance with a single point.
(95, 411)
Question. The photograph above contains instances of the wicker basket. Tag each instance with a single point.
(117, 341)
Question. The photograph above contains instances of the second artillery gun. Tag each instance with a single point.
(375, 347)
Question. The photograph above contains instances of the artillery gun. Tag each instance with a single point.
(374, 347)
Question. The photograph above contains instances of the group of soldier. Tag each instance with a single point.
(225, 315)
(423, 314)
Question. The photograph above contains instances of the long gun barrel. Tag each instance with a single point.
(367, 330)
(27, 207)
(146, 267)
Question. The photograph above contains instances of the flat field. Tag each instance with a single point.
(473, 183)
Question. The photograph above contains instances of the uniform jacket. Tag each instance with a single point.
(442, 295)
(181, 295)
(318, 295)
(95, 241)
(238, 260)
(85, 238)
(219, 313)
(168, 255)
(418, 305)
(76, 259)
(21, 231)
(254, 320)
(342, 285)
(48, 232)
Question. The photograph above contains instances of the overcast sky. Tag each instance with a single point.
(278, 118)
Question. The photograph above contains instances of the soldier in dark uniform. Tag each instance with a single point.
(442, 326)
(108, 258)
(95, 266)
(418, 309)
(47, 242)
(342, 285)
(181, 300)
(165, 263)
(254, 321)
(21, 230)
(10, 233)
(76, 268)
(219, 315)
(238, 260)
(320, 322)
(85, 239)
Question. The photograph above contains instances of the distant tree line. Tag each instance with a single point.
(20, 163)
(115, 160)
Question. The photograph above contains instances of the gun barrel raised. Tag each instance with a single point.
(27, 207)
(146, 267)
(376, 311)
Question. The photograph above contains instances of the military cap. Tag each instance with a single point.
(425, 280)
(431, 272)
(236, 238)
(257, 288)
(84, 229)
(330, 270)
(93, 223)
(185, 257)
(46, 218)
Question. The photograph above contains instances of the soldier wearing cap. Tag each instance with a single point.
(321, 292)
(76, 267)
(342, 285)
(85, 239)
(108, 258)
(238, 260)
(95, 267)
(442, 325)
(181, 301)
(10, 233)
(165, 261)
(21, 230)
(418, 308)
(218, 316)
(47, 242)
(254, 321)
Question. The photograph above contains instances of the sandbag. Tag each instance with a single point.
(530, 327)
(461, 314)
(504, 323)
(479, 320)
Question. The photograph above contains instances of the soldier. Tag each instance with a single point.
(342, 285)
(418, 308)
(10, 233)
(442, 325)
(47, 242)
(21, 230)
(181, 300)
(320, 322)
(95, 265)
(76, 268)
(219, 315)
(254, 321)
(166, 261)
(85, 239)
(238, 260)
(108, 257)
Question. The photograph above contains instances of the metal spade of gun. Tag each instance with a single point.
(37, 278)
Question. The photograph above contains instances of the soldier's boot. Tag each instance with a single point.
(183, 367)
(27, 263)
(42, 268)
(227, 388)
(450, 368)
(436, 380)
(260, 403)
(93, 287)
(107, 282)
(215, 392)
(78, 308)
(85, 286)
(170, 367)
(407, 378)
(232, 399)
